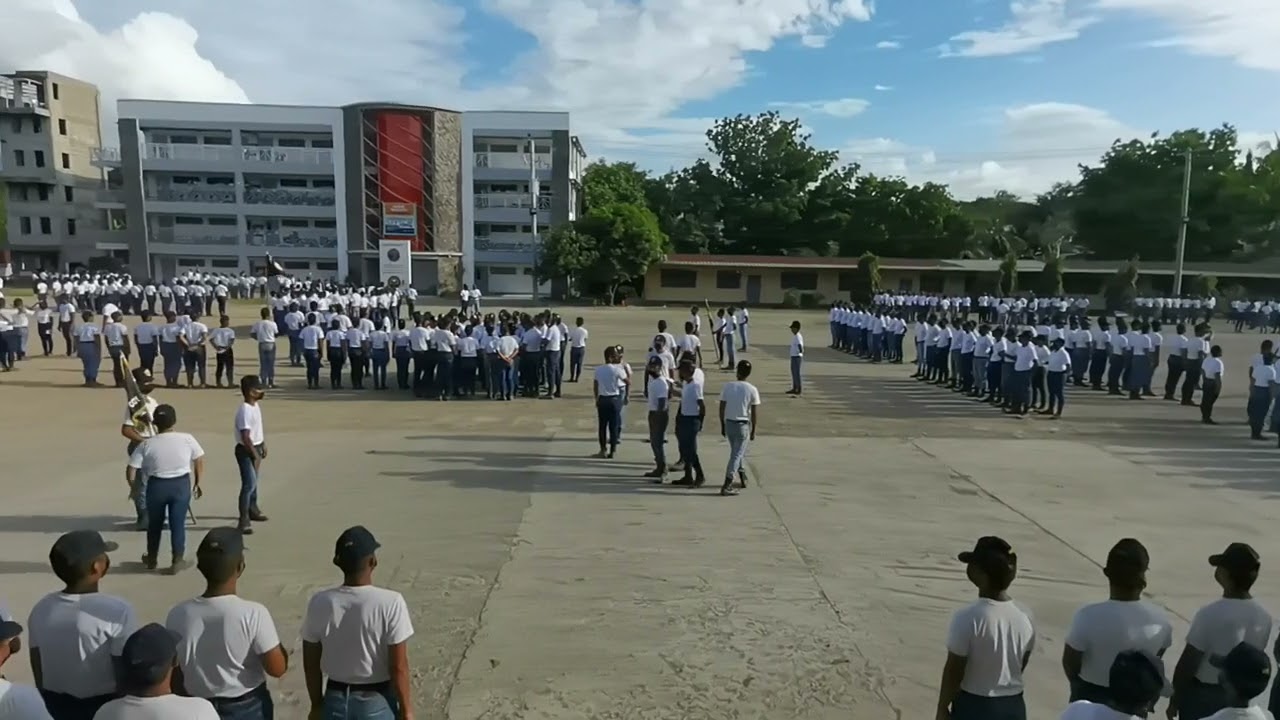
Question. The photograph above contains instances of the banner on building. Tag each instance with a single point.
(399, 220)
(395, 263)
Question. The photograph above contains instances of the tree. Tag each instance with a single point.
(569, 254)
(1009, 275)
(1205, 286)
(606, 183)
(1122, 288)
(866, 279)
(1050, 284)
(626, 240)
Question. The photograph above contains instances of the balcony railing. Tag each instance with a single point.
(511, 200)
(290, 196)
(19, 93)
(105, 155)
(195, 194)
(201, 153)
(511, 161)
(505, 242)
(294, 239)
(168, 236)
(300, 156)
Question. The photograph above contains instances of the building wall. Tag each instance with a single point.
(447, 198)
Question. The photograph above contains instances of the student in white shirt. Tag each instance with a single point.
(380, 346)
(67, 322)
(691, 412)
(194, 360)
(356, 635)
(1057, 367)
(116, 335)
(357, 357)
(146, 337)
(1137, 679)
(1261, 389)
(1125, 621)
(265, 332)
(171, 349)
(609, 386)
(17, 702)
(1215, 629)
(44, 327)
(797, 357)
(577, 349)
(147, 666)
(739, 416)
(1211, 384)
(658, 393)
(1243, 673)
(229, 645)
(251, 450)
(311, 337)
(223, 340)
(989, 642)
(742, 318)
(173, 465)
(552, 356)
(76, 634)
(89, 345)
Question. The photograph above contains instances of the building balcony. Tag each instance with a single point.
(105, 157)
(511, 200)
(28, 173)
(505, 243)
(22, 96)
(192, 153)
(295, 239)
(318, 197)
(511, 161)
(218, 195)
(109, 199)
(170, 236)
(288, 156)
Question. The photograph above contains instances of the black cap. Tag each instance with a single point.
(1238, 556)
(9, 630)
(79, 547)
(222, 541)
(1246, 667)
(1128, 555)
(142, 376)
(354, 544)
(1137, 678)
(149, 653)
(988, 547)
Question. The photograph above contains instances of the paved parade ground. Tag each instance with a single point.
(547, 584)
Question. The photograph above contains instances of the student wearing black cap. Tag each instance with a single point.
(77, 633)
(356, 635)
(1217, 628)
(147, 668)
(989, 642)
(250, 451)
(739, 415)
(172, 464)
(1137, 679)
(1124, 621)
(1243, 674)
(137, 427)
(229, 645)
(17, 702)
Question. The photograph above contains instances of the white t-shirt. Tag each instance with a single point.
(659, 391)
(797, 345)
(21, 702)
(578, 337)
(1085, 710)
(1253, 712)
(690, 394)
(115, 333)
(610, 379)
(739, 396)
(167, 455)
(356, 627)
(77, 636)
(1224, 623)
(265, 331)
(311, 336)
(165, 707)
(994, 636)
(222, 338)
(1102, 630)
(249, 417)
(223, 640)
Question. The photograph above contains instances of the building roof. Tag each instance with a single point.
(1263, 269)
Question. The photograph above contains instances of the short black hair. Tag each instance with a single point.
(218, 567)
(165, 417)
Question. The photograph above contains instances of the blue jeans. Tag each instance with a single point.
(295, 349)
(658, 438)
(1258, 403)
(742, 332)
(172, 354)
(555, 371)
(738, 433)
(168, 498)
(575, 362)
(267, 363)
(91, 359)
(609, 420)
(796, 362)
(359, 705)
(687, 428)
(248, 481)
(255, 705)
(312, 358)
(507, 373)
(381, 357)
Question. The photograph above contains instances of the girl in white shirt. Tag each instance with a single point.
(1211, 385)
(609, 388)
(89, 344)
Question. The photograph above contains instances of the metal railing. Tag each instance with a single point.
(20, 92)
(293, 239)
(194, 194)
(202, 153)
(505, 242)
(511, 200)
(511, 161)
(290, 196)
(168, 236)
(300, 156)
(105, 155)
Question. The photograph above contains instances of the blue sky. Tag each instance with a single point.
(981, 94)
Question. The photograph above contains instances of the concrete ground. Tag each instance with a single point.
(546, 584)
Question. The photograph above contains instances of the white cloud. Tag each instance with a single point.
(888, 45)
(841, 108)
(617, 66)
(1245, 31)
(1033, 25)
(883, 88)
(814, 41)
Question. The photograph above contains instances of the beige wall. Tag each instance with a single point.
(771, 290)
(446, 204)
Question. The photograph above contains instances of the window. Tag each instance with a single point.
(39, 157)
(55, 91)
(291, 142)
(66, 161)
(847, 280)
(326, 224)
(185, 180)
(17, 126)
(222, 221)
(322, 183)
(43, 192)
(218, 140)
(322, 143)
(296, 265)
(728, 279)
(62, 126)
(327, 266)
(503, 148)
(225, 263)
(17, 192)
(71, 226)
(220, 181)
(68, 193)
(679, 278)
(46, 226)
(37, 125)
(19, 158)
(184, 140)
(504, 228)
(501, 270)
(932, 282)
(190, 262)
(292, 182)
(793, 280)
(294, 223)
(25, 224)
(187, 220)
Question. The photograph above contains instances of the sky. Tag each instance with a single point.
(983, 95)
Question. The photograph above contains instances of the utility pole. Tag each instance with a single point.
(1182, 226)
(533, 209)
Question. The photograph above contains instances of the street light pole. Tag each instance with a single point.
(533, 209)
(1182, 226)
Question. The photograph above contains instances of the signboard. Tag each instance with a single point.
(395, 263)
(399, 220)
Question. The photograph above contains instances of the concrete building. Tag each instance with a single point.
(500, 249)
(49, 128)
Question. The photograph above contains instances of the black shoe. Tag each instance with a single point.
(179, 564)
(742, 479)
(727, 489)
(700, 481)
(257, 516)
(684, 482)
(149, 562)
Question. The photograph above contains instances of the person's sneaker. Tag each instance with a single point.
(700, 481)
(684, 482)
(179, 564)
(654, 473)
(742, 478)
(727, 489)
(149, 562)
(257, 516)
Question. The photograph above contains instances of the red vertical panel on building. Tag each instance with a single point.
(400, 165)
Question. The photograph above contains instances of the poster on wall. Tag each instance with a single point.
(395, 263)
(399, 220)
